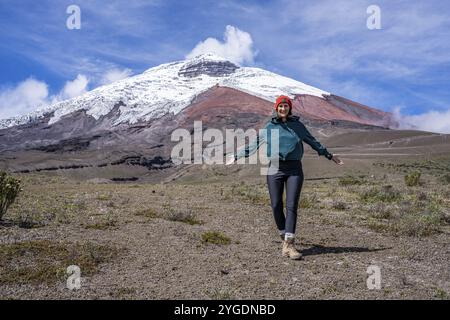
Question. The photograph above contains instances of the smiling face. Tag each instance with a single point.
(283, 109)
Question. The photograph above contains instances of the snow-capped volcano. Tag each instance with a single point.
(169, 88)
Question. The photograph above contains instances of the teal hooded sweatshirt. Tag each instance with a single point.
(291, 135)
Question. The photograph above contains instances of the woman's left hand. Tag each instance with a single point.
(337, 160)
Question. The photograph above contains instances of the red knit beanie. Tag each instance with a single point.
(281, 99)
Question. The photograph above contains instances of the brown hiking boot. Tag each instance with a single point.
(289, 250)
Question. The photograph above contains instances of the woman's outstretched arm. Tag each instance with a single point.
(248, 150)
(251, 148)
(316, 145)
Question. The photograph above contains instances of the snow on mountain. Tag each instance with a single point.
(170, 87)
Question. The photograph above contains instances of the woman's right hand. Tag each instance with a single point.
(229, 159)
(337, 160)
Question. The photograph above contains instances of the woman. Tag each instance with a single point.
(291, 133)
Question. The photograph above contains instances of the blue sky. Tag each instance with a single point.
(404, 66)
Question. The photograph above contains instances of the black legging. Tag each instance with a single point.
(291, 173)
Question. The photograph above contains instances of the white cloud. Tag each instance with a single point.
(31, 94)
(75, 88)
(115, 75)
(432, 121)
(25, 97)
(236, 46)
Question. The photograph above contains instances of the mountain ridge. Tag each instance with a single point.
(163, 87)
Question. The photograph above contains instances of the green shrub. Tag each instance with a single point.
(440, 294)
(215, 237)
(104, 197)
(106, 223)
(378, 226)
(30, 218)
(308, 201)
(221, 294)
(412, 179)
(445, 178)
(9, 189)
(249, 193)
(411, 224)
(417, 225)
(339, 205)
(349, 180)
(43, 261)
(148, 213)
(185, 217)
(385, 194)
(380, 211)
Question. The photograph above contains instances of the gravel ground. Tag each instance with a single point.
(161, 258)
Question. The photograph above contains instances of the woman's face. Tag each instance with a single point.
(283, 109)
